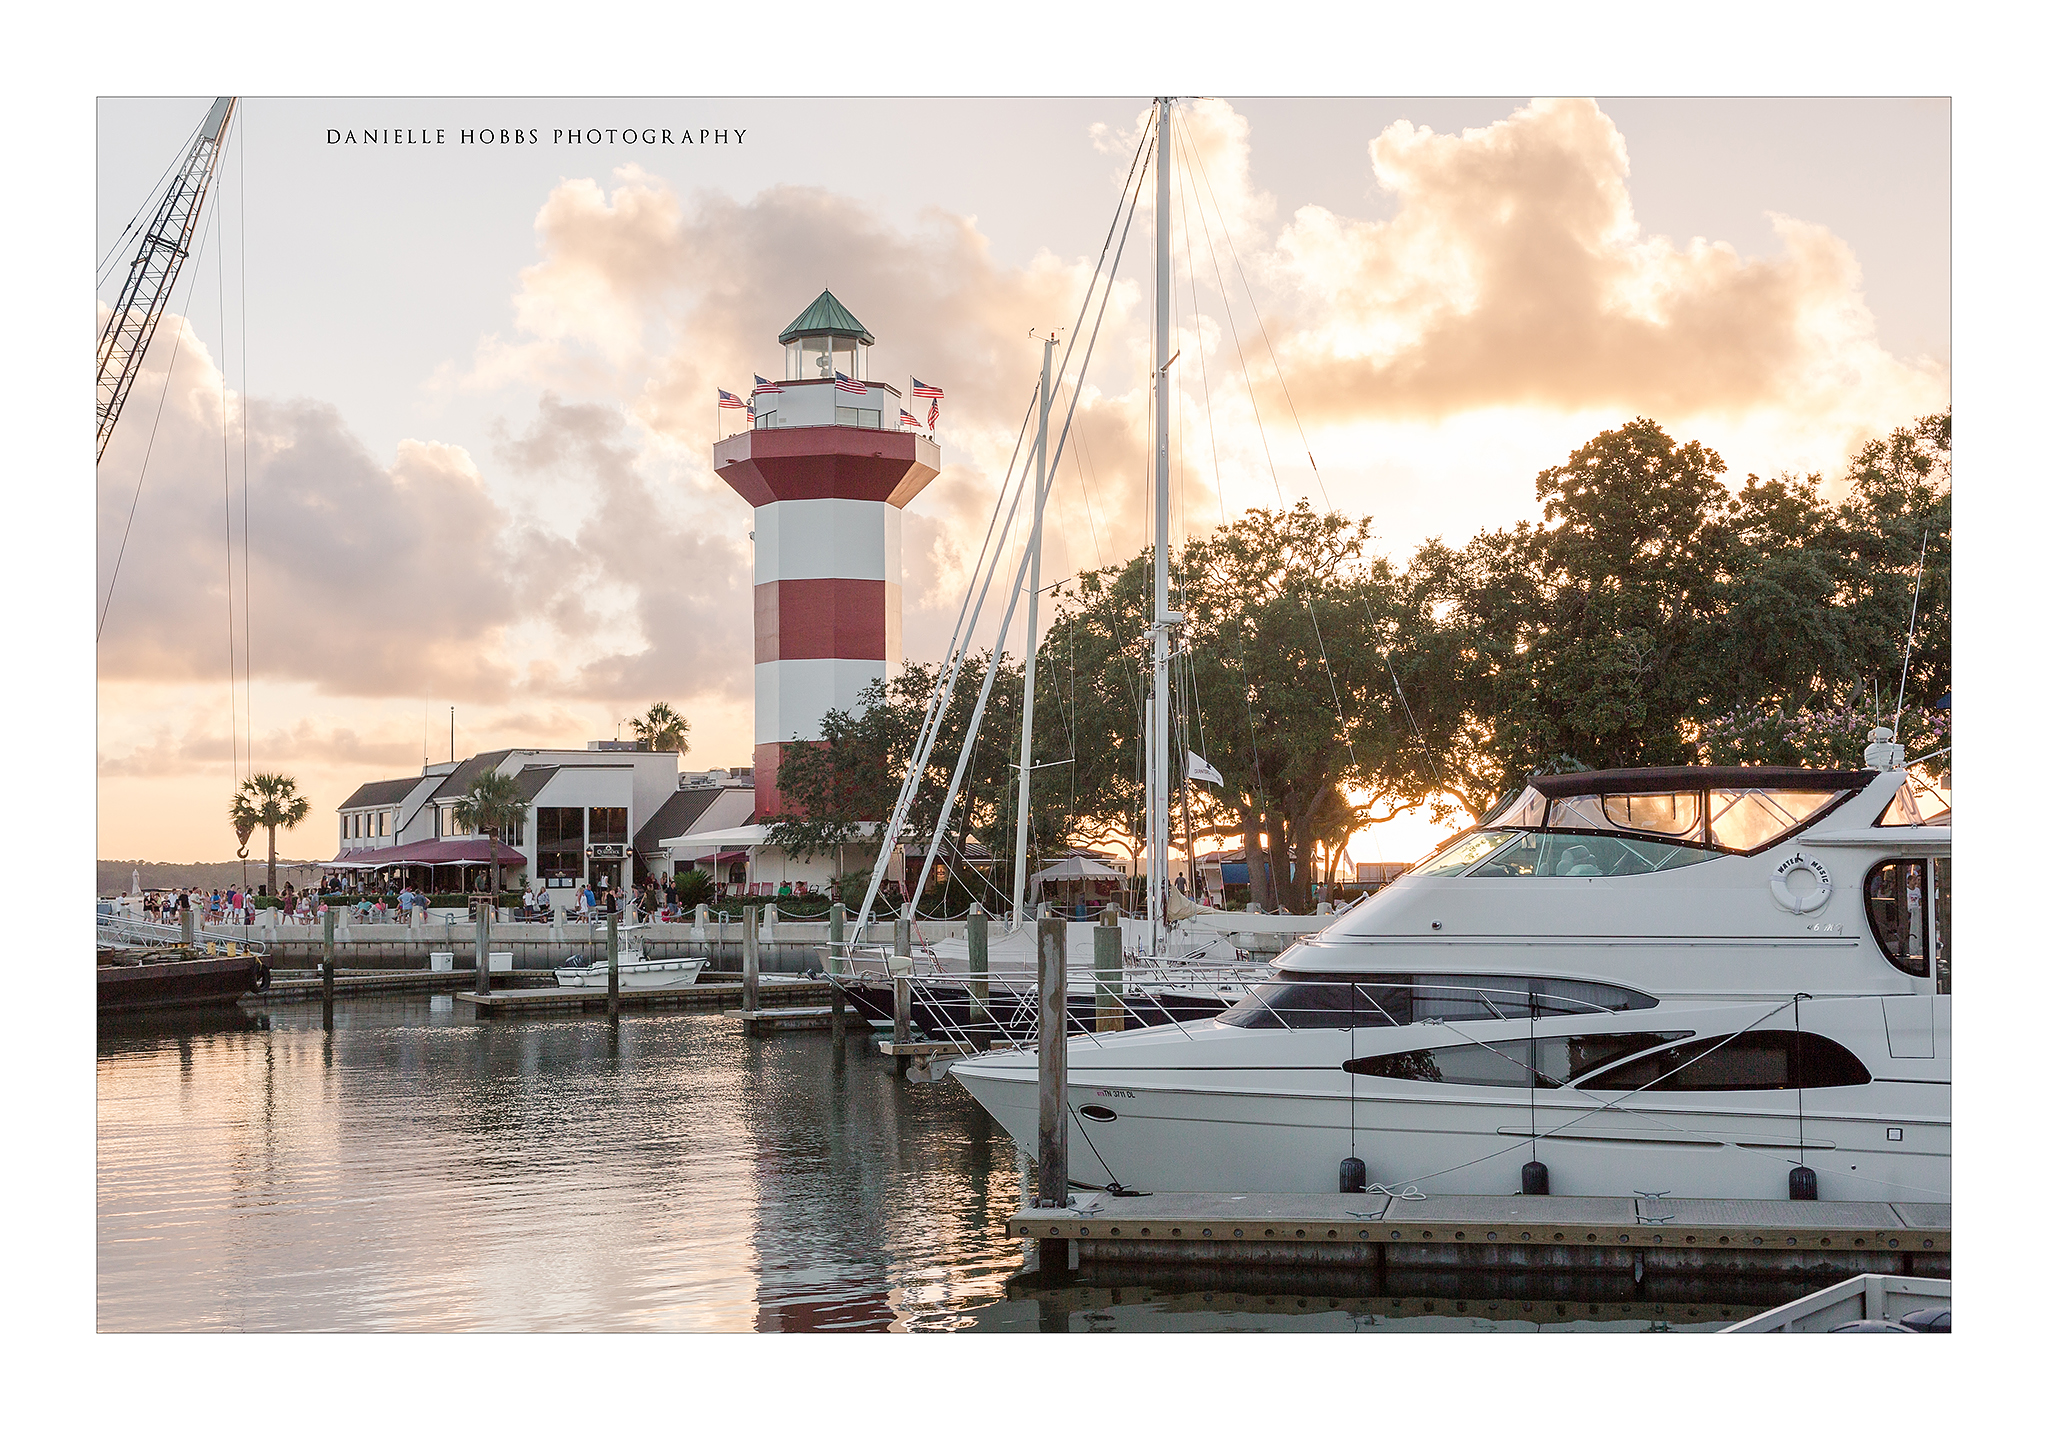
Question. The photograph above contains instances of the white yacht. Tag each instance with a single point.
(1713, 982)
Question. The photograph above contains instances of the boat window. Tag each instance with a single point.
(1579, 811)
(1467, 852)
(1762, 1060)
(1545, 1062)
(1895, 901)
(1592, 856)
(1525, 809)
(1920, 800)
(1677, 815)
(1388, 1000)
(1745, 819)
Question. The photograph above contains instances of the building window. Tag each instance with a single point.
(607, 826)
(383, 825)
(344, 828)
(559, 834)
(1895, 901)
(856, 417)
(1765, 1060)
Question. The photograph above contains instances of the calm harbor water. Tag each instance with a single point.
(417, 1170)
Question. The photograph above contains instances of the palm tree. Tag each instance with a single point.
(270, 801)
(663, 729)
(493, 805)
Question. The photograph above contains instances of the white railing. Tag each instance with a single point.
(1860, 1298)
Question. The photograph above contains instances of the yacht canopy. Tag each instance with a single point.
(1691, 777)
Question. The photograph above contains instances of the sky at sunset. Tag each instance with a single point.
(476, 385)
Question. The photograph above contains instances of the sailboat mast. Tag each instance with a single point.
(1157, 829)
(1031, 644)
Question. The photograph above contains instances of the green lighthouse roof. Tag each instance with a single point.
(826, 317)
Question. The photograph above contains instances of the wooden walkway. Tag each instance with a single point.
(352, 983)
(1559, 1233)
(553, 1002)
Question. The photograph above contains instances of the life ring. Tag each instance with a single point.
(262, 975)
(1803, 901)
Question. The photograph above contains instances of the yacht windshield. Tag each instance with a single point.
(1585, 856)
(1467, 852)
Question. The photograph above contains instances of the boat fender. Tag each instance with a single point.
(1535, 1179)
(1801, 901)
(1351, 1175)
(1805, 1185)
(262, 975)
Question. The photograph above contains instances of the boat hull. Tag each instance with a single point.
(1229, 1109)
(187, 983)
(641, 974)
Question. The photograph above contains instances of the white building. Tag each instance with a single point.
(595, 817)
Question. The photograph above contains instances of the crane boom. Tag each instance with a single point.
(154, 271)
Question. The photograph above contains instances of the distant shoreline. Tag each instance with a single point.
(114, 874)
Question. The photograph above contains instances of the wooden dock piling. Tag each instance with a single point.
(483, 948)
(750, 960)
(977, 965)
(1109, 974)
(835, 946)
(611, 978)
(899, 973)
(1052, 1064)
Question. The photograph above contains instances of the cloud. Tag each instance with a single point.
(362, 575)
(1514, 272)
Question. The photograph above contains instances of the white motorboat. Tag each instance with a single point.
(1690, 980)
(636, 970)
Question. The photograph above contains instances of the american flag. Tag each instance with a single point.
(925, 389)
(762, 384)
(904, 419)
(846, 384)
(933, 420)
(727, 399)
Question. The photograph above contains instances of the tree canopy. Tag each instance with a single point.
(662, 728)
(1656, 614)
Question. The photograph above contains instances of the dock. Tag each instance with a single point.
(553, 1002)
(1670, 1235)
(395, 980)
(763, 1021)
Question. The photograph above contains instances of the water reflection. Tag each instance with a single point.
(416, 1170)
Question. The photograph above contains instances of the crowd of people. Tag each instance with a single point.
(384, 899)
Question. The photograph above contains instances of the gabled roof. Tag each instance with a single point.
(381, 792)
(826, 317)
(459, 778)
(674, 818)
(533, 779)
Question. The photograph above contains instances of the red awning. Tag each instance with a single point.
(431, 852)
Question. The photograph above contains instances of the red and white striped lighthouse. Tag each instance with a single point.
(828, 473)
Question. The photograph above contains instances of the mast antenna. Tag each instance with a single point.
(1911, 621)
